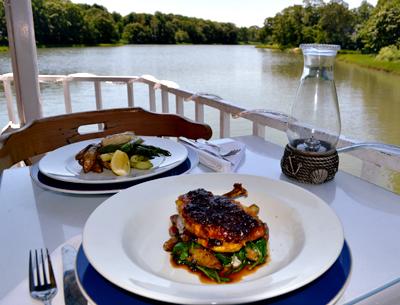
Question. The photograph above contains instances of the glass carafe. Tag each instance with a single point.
(314, 123)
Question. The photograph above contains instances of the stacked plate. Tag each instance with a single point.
(122, 260)
(59, 171)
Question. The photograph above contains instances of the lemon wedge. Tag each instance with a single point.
(120, 164)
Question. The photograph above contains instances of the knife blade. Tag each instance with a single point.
(72, 293)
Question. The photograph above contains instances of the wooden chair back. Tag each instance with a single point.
(49, 133)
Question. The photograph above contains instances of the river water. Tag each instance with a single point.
(254, 78)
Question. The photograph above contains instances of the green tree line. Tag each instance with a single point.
(366, 28)
(61, 22)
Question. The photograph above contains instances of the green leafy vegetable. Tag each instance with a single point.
(223, 258)
(212, 274)
(135, 147)
(149, 151)
(159, 151)
(253, 254)
(260, 247)
(129, 147)
(181, 252)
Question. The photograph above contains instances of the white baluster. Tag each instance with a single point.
(152, 98)
(258, 130)
(131, 97)
(165, 101)
(225, 124)
(179, 105)
(99, 99)
(9, 98)
(67, 96)
(199, 112)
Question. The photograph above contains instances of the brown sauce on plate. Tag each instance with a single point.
(234, 277)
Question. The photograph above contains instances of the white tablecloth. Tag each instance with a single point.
(31, 217)
(20, 294)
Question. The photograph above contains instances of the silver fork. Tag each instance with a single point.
(40, 288)
(219, 149)
(231, 153)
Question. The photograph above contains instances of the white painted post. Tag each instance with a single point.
(21, 38)
(179, 105)
(152, 98)
(97, 91)
(131, 98)
(199, 112)
(67, 96)
(165, 101)
(258, 130)
(225, 124)
(9, 99)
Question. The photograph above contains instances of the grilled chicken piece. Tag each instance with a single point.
(238, 191)
(170, 243)
(79, 155)
(97, 168)
(219, 222)
(87, 158)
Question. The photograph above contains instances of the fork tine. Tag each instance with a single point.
(43, 268)
(31, 280)
(51, 272)
(42, 289)
(38, 282)
(231, 153)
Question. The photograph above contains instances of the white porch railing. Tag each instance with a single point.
(373, 158)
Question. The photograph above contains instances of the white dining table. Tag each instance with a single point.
(32, 217)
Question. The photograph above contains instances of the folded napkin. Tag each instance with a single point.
(208, 155)
(20, 294)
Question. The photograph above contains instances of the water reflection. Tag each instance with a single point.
(286, 65)
(373, 103)
(369, 100)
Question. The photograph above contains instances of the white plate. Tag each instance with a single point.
(192, 155)
(60, 164)
(123, 240)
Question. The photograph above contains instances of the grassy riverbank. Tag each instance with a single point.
(369, 61)
(268, 46)
(352, 57)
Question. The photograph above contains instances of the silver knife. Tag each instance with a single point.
(72, 293)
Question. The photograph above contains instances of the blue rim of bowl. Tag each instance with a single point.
(326, 289)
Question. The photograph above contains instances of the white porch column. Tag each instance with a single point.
(21, 37)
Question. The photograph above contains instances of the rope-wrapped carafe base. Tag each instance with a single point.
(309, 167)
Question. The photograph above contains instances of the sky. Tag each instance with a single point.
(241, 12)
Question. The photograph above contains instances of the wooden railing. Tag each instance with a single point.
(201, 102)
